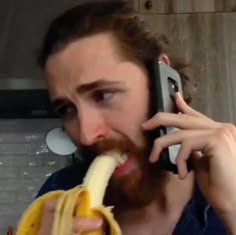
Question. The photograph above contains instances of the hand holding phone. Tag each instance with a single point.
(165, 82)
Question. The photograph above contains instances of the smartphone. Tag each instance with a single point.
(164, 83)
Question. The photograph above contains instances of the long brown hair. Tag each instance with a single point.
(135, 39)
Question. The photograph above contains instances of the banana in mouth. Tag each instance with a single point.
(84, 200)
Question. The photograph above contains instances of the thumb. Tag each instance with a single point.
(86, 224)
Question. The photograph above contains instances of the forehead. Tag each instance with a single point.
(87, 60)
(93, 52)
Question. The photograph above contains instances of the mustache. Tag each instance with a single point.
(106, 145)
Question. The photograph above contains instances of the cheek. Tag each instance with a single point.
(129, 119)
(135, 119)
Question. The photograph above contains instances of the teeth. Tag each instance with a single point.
(123, 158)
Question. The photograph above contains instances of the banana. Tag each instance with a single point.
(84, 200)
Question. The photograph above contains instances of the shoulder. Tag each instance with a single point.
(64, 179)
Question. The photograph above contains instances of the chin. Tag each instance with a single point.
(135, 190)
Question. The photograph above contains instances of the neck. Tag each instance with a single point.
(168, 204)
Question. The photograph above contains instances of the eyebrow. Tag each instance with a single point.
(88, 87)
(84, 88)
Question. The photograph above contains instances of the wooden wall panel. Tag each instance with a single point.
(208, 41)
(186, 6)
(7, 10)
(135, 4)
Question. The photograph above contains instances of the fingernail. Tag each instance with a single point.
(97, 222)
(178, 95)
(86, 224)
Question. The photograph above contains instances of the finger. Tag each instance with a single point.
(48, 217)
(183, 155)
(185, 108)
(181, 160)
(181, 121)
(86, 225)
(177, 137)
(196, 147)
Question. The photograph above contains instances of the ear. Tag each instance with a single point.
(164, 58)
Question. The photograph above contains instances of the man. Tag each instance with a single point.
(94, 58)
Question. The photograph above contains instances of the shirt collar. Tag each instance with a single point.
(199, 208)
(194, 217)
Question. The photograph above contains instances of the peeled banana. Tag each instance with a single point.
(85, 200)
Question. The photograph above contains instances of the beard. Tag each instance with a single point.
(139, 187)
(136, 189)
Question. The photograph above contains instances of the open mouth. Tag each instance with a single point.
(128, 164)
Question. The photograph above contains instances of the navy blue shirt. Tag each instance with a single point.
(198, 217)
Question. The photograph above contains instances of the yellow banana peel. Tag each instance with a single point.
(85, 200)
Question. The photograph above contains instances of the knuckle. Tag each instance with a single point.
(226, 132)
(182, 116)
(186, 143)
(230, 128)
(158, 143)
(160, 116)
(50, 206)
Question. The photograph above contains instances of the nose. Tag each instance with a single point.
(92, 126)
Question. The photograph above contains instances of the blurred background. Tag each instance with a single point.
(203, 32)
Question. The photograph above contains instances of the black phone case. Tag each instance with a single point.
(164, 83)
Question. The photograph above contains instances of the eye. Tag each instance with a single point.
(66, 111)
(103, 95)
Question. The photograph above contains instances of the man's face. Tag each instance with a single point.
(103, 100)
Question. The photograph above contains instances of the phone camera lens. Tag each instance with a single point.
(173, 87)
